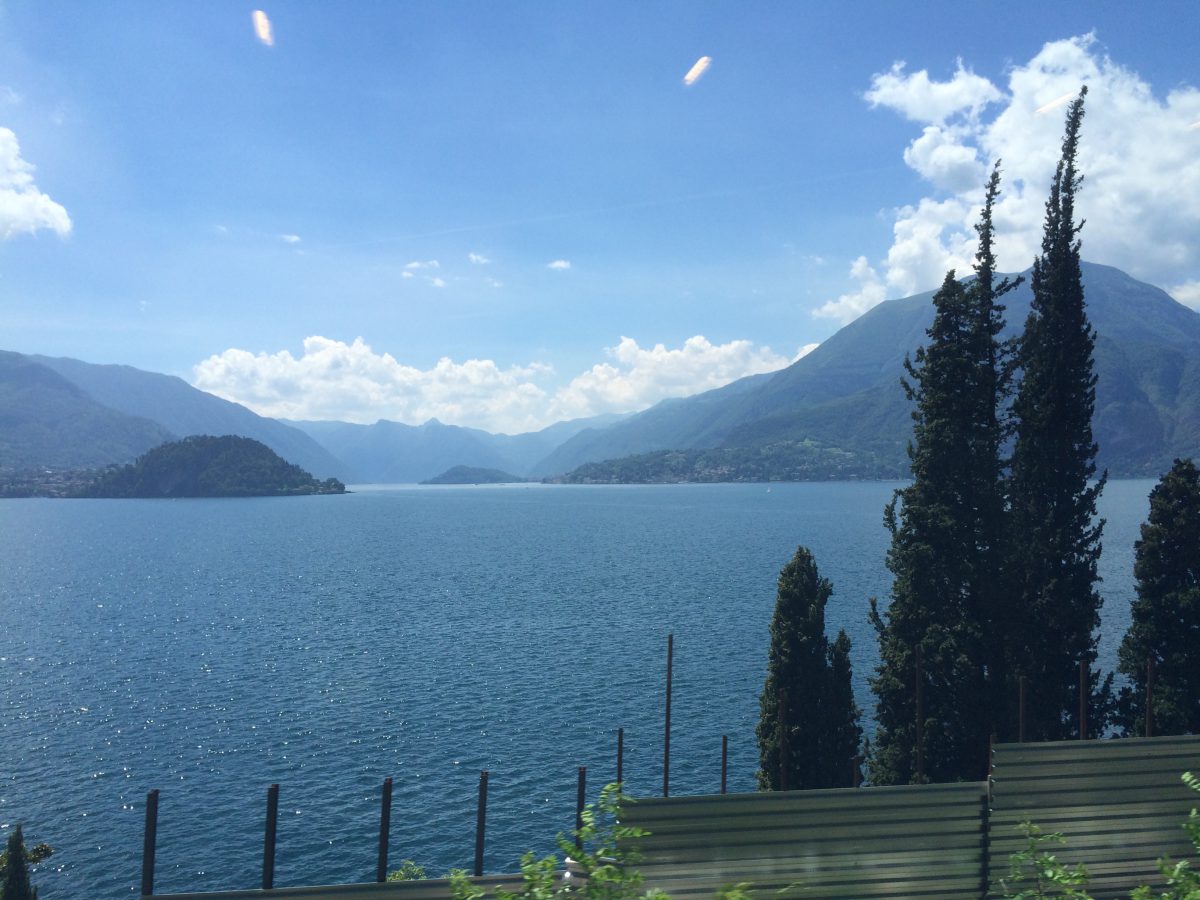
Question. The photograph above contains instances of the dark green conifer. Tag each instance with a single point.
(1052, 494)
(808, 693)
(947, 539)
(1166, 614)
(14, 880)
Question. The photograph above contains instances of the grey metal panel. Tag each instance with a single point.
(1118, 803)
(910, 841)
(425, 889)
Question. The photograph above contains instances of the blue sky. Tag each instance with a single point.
(503, 214)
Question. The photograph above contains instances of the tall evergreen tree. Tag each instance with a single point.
(1052, 495)
(1166, 614)
(808, 732)
(14, 878)
(947, 538)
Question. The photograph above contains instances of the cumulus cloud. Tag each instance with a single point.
(290, 238)
(1187, 293)
(637, 377)
(438, 282)
(921, 99)
(478, 259)
(804, 351)
(351, 382)
(416, 265)
(23, 208)
(848, 307)
(559, 265)
(1140, 197)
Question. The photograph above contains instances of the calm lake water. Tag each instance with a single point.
(209, 648)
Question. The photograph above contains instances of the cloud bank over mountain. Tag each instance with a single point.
(1140, 155)
(352, 382)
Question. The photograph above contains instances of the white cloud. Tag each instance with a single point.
(438, 282)
(8, 96)
(23, 208)
(1141, 192)
(559, 265)
(417, 265)
(478, 259)
(804, 351)
(848, 307)
(407, 275)
(921, 99)
(290, 238)
(351, 382)
(639, 377)
(1187, 293)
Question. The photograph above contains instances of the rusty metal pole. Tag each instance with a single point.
(480, 820)
(385, 825)
(1021, 711)
(580, 798)
(667, 727)
(1150, 696)
(149, 843)
(724, 759)
(268, 873)
(1083, 698)
(920, 698)
(620, 753)
(784, 749)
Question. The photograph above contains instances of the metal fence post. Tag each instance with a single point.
(385, 824)
(149, 843)
(724, 759)
(1083, 698)
(1150, 696)
(580, 799)
(667, 726)
(480, 819)
(268, 874)
(920, 698)
(620, 753)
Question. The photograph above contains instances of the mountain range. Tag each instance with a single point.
(842, 401)
(846, 393)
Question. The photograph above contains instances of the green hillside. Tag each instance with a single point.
(205, 466)
(846, 394)
(46, 422)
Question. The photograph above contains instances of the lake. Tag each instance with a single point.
(209, 648)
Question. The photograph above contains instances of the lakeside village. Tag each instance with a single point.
(987, 663)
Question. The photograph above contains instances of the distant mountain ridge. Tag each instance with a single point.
(846, 393)
(46, 421)
(392, 452)
(843, 399)
(184, 410)
(64, 413)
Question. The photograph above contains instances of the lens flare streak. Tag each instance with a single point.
(262, 28)
(697, 70)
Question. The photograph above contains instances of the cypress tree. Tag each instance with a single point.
(14, 880)
(1052, 495)
(808, 722)
(947, 543)
(1166, 613)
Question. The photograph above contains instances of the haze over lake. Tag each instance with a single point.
(211, 647)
